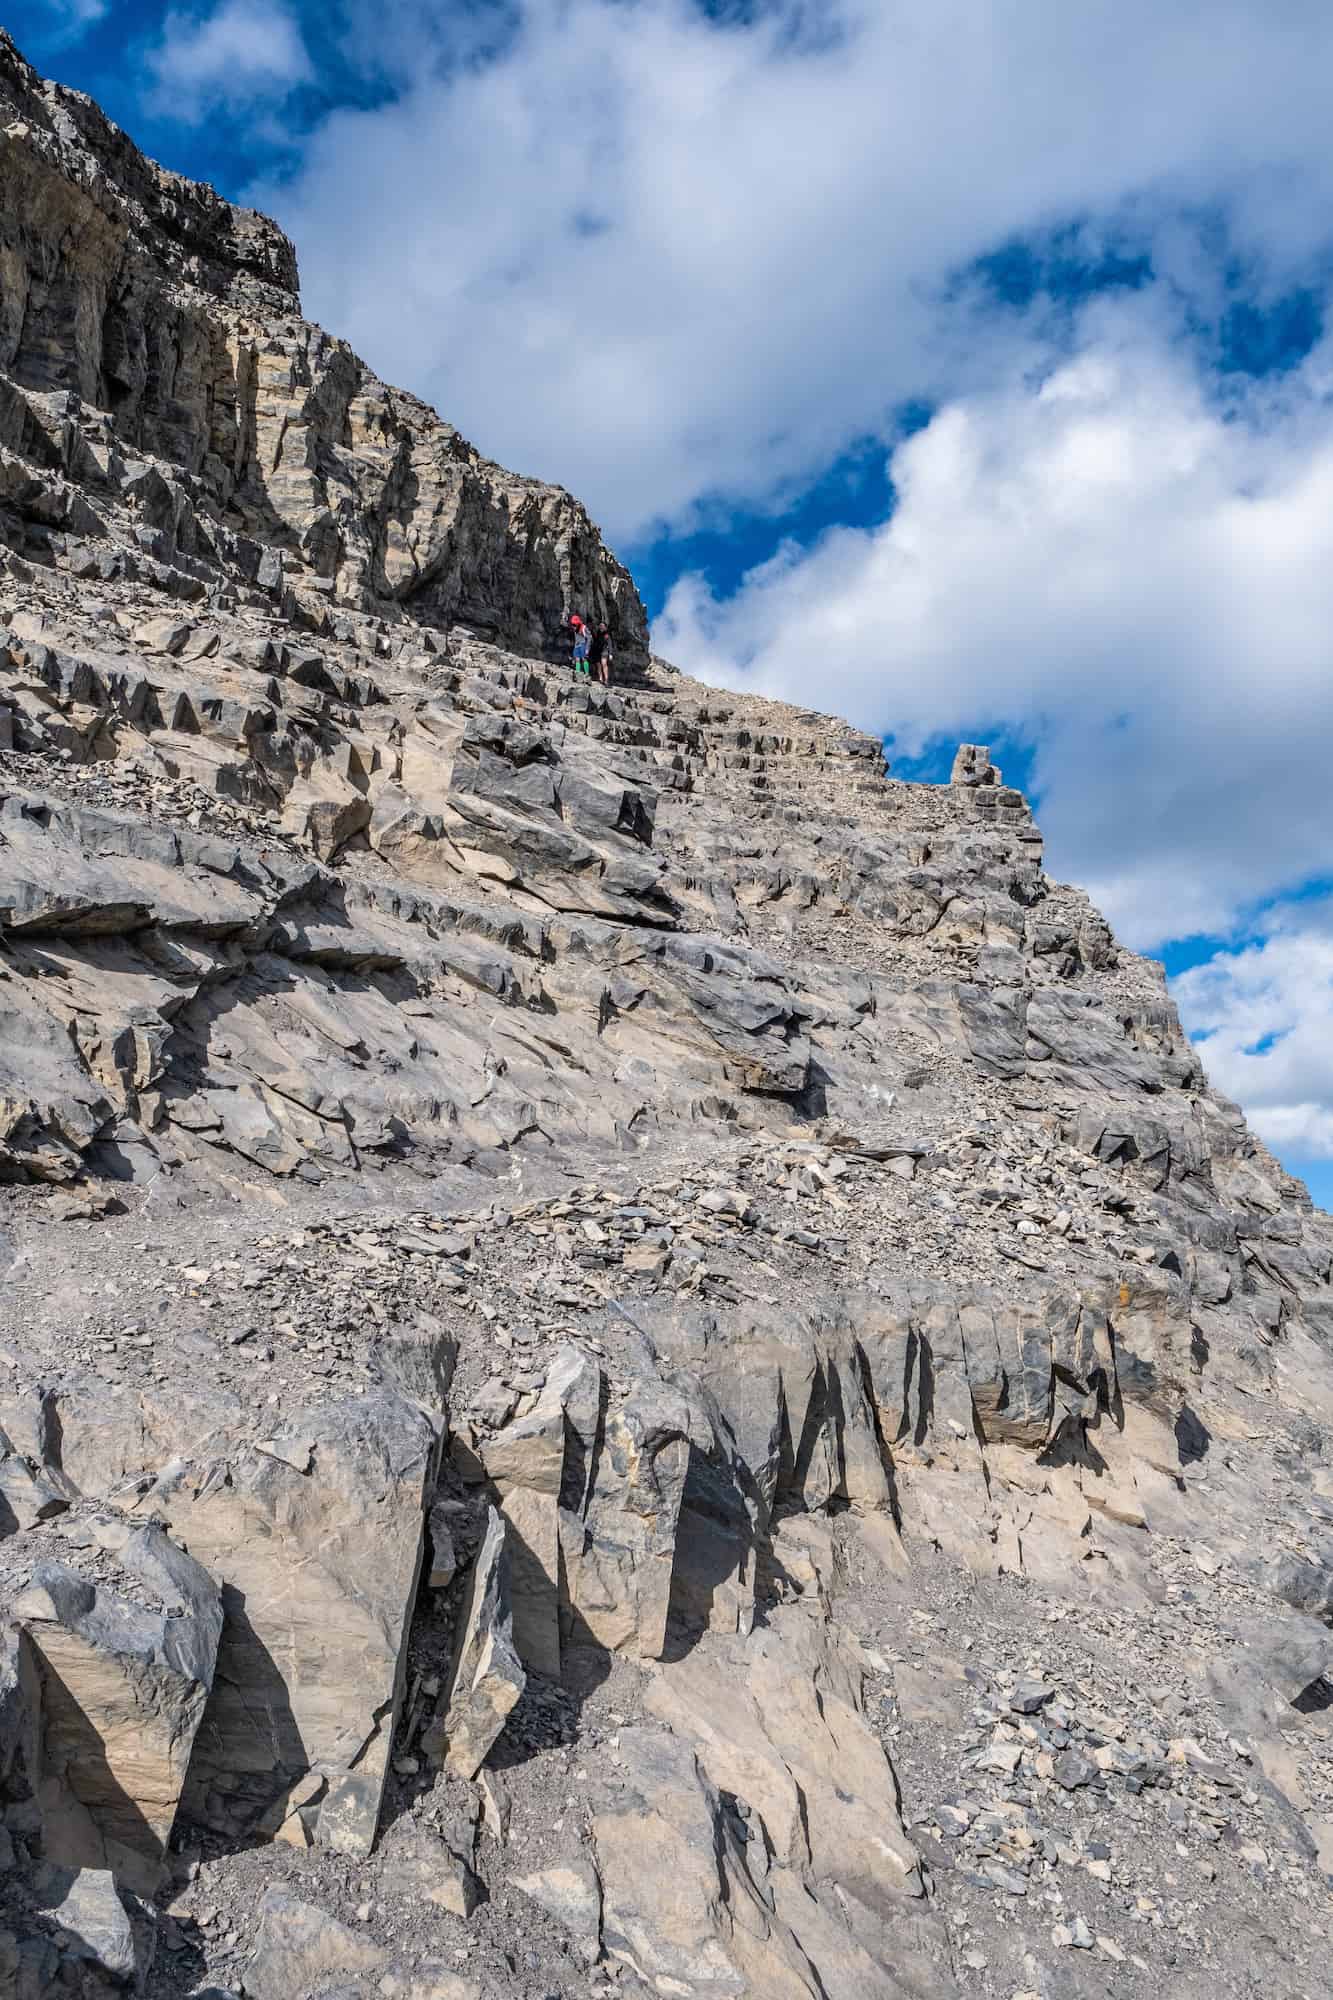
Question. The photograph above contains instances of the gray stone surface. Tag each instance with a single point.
(487, 1677)
(319, 1568)
(299, 1951)
(870, 1397)
(92, 1923)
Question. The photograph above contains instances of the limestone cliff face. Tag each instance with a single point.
(246, 433)
(594, 1294)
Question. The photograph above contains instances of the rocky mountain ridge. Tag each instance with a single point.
(633, 1358)
(170, 379)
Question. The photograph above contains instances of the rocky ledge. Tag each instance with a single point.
(633, 1358)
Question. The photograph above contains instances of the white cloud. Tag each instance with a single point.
(1267, 1015)
(244, 53)
(1139, 577)
(660, 256)
(72, 18)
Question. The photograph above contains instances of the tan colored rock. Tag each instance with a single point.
(163, 635)
(533, 1530)
(93, 1924)
(487, 1677)
(299, 1948)
(318, 1561)
(293, 1818)
(620, 1573)
(324, 821)
(972, 766)
(693, 1905)
(26, 1496)
(430, 1980)
(417, 1359)
(443, 1559)
(777, 1719)
(419, 1865)
(526, 1463)
(123, 1692)
(664, 1908)
(496, 1805)
(95, 1438)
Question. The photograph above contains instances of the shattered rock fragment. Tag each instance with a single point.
(299, 1949)
(421, 1865)
(540, 1465)
(487, 1677)
(93, 1923)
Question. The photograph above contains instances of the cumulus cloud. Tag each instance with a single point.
(1116, 563)
(1265, 1018)
(662, 253)
(245, 52)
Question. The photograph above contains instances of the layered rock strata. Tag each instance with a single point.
(633, 1358)
(169, 417)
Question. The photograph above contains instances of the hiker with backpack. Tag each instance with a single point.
(601, 654)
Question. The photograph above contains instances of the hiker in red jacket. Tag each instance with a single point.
(581, 642)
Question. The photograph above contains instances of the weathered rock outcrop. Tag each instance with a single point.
(156, 366)
(629, 1353)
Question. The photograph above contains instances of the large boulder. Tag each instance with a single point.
(316, 1537)
(124, 1682)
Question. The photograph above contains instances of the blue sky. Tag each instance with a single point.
(966, 371)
